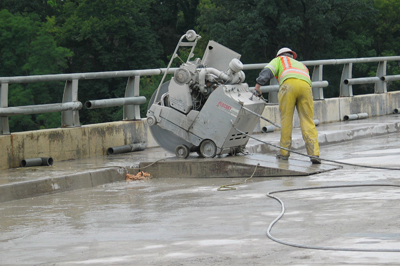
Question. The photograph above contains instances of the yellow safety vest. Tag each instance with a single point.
(284, 67)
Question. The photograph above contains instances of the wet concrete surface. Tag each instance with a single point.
(255, 165)
(187, 221)
(18, 183)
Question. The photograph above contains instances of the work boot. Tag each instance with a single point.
(315, 160)
(282, 157)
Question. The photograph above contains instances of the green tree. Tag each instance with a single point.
(386, 32)
(28, 47)
(41, 8)
(259, 28)
(314, 29)
(170, 19)
(107, 36)
(386, 27)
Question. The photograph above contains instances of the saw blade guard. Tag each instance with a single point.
(167, 139)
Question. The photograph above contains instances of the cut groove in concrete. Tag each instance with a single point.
(232, 167)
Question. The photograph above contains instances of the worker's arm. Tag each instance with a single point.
(263, 78)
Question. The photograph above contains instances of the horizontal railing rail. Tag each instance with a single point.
(115, 102)
(83, 76)
(132, 100)
(70, 115)
(40, 109)
(346, 89)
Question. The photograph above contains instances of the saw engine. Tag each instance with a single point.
(204, 103)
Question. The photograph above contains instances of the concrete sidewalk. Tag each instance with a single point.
(27, 182)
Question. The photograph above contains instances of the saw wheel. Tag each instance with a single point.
(166, 139)
(207, 149)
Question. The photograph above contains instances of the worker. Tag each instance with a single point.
(294, 91)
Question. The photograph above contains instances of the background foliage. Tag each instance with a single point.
(72, 36)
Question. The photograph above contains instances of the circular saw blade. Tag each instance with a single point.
(165, 138)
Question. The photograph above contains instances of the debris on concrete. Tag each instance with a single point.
(139, 176)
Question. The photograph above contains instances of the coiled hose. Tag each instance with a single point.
(269, 194)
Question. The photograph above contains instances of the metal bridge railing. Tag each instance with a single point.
(346, 88)
(70, 105)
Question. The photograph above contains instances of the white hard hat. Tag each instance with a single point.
(286, 50)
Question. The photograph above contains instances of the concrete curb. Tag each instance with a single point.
(33, 188)
(359, 133)
(325, 138)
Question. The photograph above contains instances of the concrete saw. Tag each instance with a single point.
(204, 103)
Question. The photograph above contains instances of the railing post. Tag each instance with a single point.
(345, 89)
(4, 126)
(132, 112)
(380, 86)
(70, 118)
(273, 95)
(318, 93)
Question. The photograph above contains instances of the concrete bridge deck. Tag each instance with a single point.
(186, 221)
(18, 183)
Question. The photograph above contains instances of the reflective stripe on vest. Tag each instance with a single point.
(289, 69)
(272, 68)
(285, 62)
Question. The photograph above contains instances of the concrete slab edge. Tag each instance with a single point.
(34, 188)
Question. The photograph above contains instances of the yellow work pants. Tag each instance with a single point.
(297, 93)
